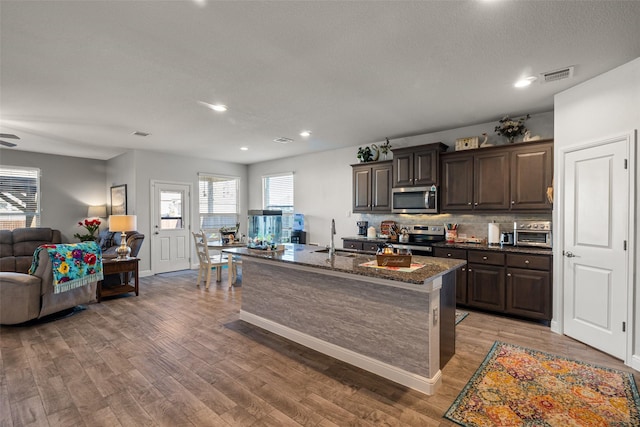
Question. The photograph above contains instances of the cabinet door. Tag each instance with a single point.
(491, 186)
(381, 188)
(457, 183)
(425, 167)
(529, 293)
(461, 286)
(531, 175)
(402, 169)
(486, 287)
(361, 189)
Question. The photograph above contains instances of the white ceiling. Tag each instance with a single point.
(78, 77)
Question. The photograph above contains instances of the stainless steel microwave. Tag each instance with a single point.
(414, 200)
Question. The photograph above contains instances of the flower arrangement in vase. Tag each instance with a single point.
(511, 128)
(91, 225)
(385, 148)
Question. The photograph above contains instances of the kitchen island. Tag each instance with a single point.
(385, 321)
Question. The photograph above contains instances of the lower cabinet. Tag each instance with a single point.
(516, 284)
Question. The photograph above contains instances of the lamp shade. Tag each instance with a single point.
(97, 212)
(123, 223)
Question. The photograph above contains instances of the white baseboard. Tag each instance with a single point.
(635, 362)
(145, 273)
(390, 372)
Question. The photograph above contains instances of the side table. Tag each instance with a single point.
(113, 266)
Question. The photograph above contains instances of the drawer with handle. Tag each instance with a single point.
(450, 253)
(534, 262)
(482, 257)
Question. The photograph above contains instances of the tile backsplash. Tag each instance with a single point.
(471, 225)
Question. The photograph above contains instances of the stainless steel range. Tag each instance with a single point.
(422, 238)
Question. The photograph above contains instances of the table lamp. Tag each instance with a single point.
(123, 223)
(97, 212)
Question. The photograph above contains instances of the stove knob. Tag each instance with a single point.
(528, 225)
(535, 225)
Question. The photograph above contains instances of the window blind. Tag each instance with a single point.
(218, 201)
(19, 197)
(278, 195)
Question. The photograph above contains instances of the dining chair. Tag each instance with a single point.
(209, 259)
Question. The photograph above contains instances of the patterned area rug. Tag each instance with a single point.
(517, 386)
(460, 315)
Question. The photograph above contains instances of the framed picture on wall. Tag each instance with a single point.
(119, 200)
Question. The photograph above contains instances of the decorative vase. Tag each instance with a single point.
(511, 139)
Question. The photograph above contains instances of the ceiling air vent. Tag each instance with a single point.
(283, 140)
(554, 76)
(140, 133)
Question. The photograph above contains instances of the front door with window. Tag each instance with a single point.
(170, 223)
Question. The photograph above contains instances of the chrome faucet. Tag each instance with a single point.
(332, 249)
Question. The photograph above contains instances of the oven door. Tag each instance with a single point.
(415, 200)
(541, 239)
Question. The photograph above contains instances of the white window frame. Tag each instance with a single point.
(234, 217)
(287, 212)
(6, 221)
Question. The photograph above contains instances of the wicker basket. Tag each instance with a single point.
(390, 260)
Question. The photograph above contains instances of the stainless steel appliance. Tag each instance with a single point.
(414, 200)
(362, 227)
(422, 238)
(532, 233)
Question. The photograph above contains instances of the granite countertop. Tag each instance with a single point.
(497, 248)
(350, 262)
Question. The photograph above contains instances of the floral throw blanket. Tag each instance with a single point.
(74, 265)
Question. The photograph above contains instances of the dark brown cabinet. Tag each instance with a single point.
(529, 286)
(359, 245)
(506, 178)
(531, 176)
(517, 284)
(415, 166)
(457, 183)
(372, 187)
(461, 273)
(485, 280)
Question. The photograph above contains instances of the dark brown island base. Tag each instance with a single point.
(387, 322)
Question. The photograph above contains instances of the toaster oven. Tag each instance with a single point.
(532, 233)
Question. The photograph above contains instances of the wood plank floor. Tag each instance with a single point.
(177, 355)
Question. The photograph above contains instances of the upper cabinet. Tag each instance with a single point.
(505, 178)
(372, 187)
(417, 166)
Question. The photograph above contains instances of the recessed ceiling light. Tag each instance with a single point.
(244, 148)
(305, 133)
(524, 82)
(215, 107)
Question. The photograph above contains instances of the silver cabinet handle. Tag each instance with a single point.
(484, 258)
(513, 202)
(469, 203)
(526, 261)
(508, 274)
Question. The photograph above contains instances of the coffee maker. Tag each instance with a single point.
(362, 227)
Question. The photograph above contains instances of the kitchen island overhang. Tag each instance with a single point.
(384, 321)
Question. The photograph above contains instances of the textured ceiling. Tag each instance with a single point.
(78, 77)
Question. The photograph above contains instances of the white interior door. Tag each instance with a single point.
(596, 202)
(170, 239)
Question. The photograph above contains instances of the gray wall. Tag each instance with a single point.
(323, 185)
(68, 186)
(606, 106)
(138, 168)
